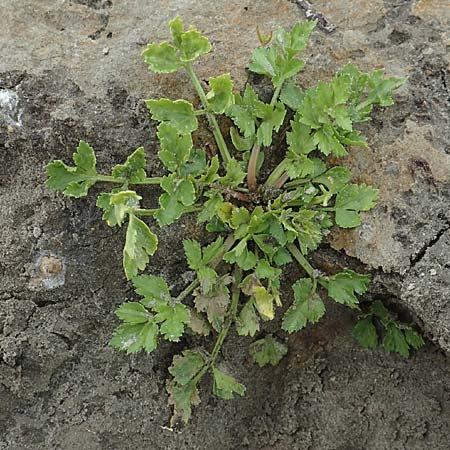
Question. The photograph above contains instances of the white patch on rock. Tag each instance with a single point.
(10, 111)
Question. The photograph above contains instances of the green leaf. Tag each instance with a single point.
(292, 95)
(247, 322)
(134, 168)
(212, 250)
(133, 337)
(193, 252)
(242, 111)
(140, 243)
(123, 203)
(381, 90)
(224, 385)
(299, 139)
(235, 174)
(365, 333)
(172, 318)
(350, 201)
(268, 351)
(109, 215)
(296, 40)
(272, 119)
(132, 312)
(162, 58)
(207, 278)
(74, 181)
(344, 286)
(413, 338)
(154, 290)
(395, 340)
(264, 302)
(220, 97)
(328, 143)
(195, 165)
(186, 366)
(182, 397)
(176, 28)
(175, 146)
(179, 113)
(265, 270)
(240, 143)
(193, 44)
(307, 308)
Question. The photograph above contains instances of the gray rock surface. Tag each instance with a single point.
(71, 70)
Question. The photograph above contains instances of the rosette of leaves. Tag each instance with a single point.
(253, 227)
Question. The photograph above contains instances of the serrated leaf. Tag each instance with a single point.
(74, 181)
(162, 58)
(381, 89)
(172, 318)
(182, 397)
(140, 243)
(344, 286)
(282, 257)
(413, 338)
(224, 385)
(132, 312)
(268, 351)
(265, 270)
(103, 202)
(212, 250)
(184, 367)
(210, 207)
(365, 333)
(175, 146)
(123, 203)
(292, 95)
(242, 111)
(235, 174)
(328, 143)
(299, 139)
(132, 338)
(272, 119)
(193, 44)
(193, 252)
(179, 113)
(176, 28)
(198, 324)
(153, 289)
(220, 97)
(307, 308)
(295, 40)
(247, 322)
(195, 165)
(350, 201)
(395, 340)
(208, 278)
(133, 170)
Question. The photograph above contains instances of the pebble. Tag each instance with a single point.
(433, 272)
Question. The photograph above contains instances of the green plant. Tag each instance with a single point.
(258, 227)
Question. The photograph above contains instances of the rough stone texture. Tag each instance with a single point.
(72, 70)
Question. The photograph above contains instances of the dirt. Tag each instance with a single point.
(70, 71)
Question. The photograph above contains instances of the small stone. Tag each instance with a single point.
(105, 50)
(433, 272)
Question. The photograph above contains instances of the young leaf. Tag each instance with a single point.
(292, 95)
(175, 146)
(220, 97)
(154, 290)
(413, 338)
(193, 252)
(272, 119)
(242, 112)
(123, 203)
(365, 333)
(224, 385)
(193, 44)
(133, 337)
(184, 367)
(140, 243)
(74, 181)
(172, 318)
(307, 307)
(268, 351)
(247, 322)
(235, 174)
(343, 286)
(350, 201)
(395, 340)
(132, 312)
(182, 397)
(179, 113)
(134, 168)
(162, 58)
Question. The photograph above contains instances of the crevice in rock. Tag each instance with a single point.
(415, 259)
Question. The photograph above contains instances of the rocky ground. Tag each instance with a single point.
(72, 70)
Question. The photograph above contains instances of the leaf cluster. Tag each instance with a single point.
(257, 229)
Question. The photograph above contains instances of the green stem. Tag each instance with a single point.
(295, 183)
(277, 173)
(211, 117)
(187, 290)
(296, 253)
(254, 155)
(111, 179)
(145, 212)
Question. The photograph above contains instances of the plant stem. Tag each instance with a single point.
(145, 212)
(254, 155)
(111, 179)
(296, 253)
(211, 117)
(277, 173)
(187, 290)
